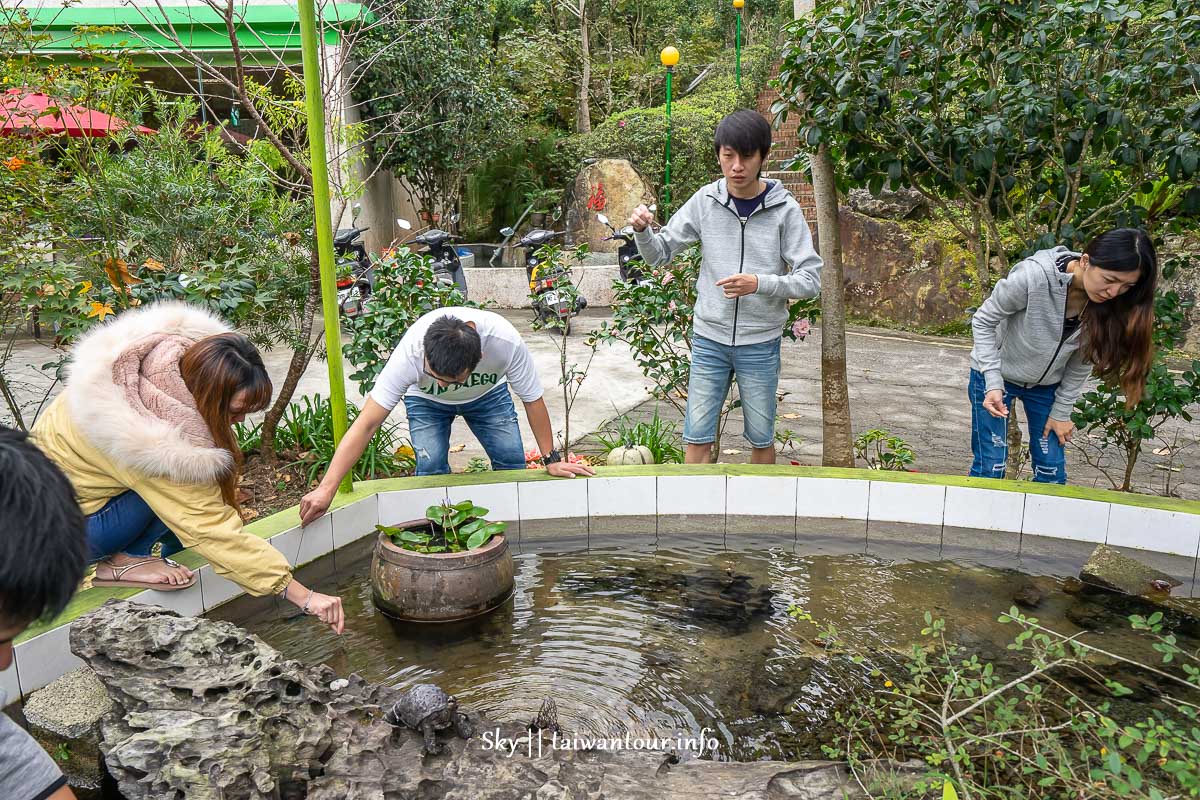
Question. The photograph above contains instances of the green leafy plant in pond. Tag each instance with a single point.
(456, 528)
(882, 450)
(660, 436)
(1051, 725)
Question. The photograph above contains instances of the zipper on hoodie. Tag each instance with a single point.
(742, 256)
(1061, 341)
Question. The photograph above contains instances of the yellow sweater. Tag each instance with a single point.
(121, 453)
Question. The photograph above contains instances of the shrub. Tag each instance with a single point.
(307, 429)
(1102, 414)
(882, 450)
(659, 436)
(639, 134)
(1033, 733)
(405, 290)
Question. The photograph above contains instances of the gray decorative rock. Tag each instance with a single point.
(71, 706)
(205, 711)
(901, 204)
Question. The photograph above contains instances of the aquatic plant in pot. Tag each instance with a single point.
(450, 565)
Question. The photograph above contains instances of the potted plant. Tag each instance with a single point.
(450, 565)
(542, 201)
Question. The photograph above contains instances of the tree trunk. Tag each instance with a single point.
(837, 434)
(299, 362)
(583, 113)
(837, 445)
(1132, 451)
(1015, 454)
(982, 277)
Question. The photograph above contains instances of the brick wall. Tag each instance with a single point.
(785, 144)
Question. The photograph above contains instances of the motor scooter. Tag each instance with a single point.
(546, 280)
(447, 265)
(354, 265)
(629, 260)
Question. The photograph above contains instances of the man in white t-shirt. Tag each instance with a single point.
(453, 362)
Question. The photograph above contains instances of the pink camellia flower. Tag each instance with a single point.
(620, 123)
(667, 277)
(801, 328)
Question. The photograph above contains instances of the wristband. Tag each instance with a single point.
(553, 458)
(307, 601)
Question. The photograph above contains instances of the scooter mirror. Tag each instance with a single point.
(557, 213)
(603, 219)
(355, 210)
(403, 224)
(653, 207)
(506, 232)
(455, 217)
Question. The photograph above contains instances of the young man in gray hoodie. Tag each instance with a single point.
(757, 255)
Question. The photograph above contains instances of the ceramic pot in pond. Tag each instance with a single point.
(440, 587)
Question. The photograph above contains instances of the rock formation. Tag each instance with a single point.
(610, 186)
(203, 710)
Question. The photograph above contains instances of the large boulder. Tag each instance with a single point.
(206, 711)
(911, 274)
(610, 186)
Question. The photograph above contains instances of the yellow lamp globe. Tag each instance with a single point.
(669, 56)
(739, 4)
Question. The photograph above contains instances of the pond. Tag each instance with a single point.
(689, 640)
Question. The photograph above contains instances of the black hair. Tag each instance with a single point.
(452, 347)
(746, 131)
(1119, 334)
(43, 534)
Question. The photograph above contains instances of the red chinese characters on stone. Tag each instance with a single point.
(597, 201)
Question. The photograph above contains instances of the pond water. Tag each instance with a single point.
(687, 641)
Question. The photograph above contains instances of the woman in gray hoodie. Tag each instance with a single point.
(1056, 318)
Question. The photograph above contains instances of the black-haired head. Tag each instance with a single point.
(452, 347)
(43, 534)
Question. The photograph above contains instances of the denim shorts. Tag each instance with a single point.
(713, 369)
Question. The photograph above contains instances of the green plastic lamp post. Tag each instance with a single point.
(669, 58)
(314, 105)
(738, 5)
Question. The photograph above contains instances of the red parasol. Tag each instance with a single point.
(23, 111)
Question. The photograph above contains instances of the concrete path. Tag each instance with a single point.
(913, 386)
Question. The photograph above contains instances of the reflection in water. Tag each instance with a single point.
(666, 643)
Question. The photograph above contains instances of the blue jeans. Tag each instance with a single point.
(127, 525)
(492, 418)
(989, 435)
(713, 367)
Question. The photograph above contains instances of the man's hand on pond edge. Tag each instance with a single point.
(564, 469)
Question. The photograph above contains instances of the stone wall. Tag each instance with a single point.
(909, 273)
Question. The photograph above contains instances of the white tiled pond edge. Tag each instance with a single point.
(45, 657)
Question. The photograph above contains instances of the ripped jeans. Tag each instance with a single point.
(989, 435)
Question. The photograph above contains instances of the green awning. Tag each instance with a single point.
(148, 31)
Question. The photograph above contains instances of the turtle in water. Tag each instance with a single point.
(427, 709)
